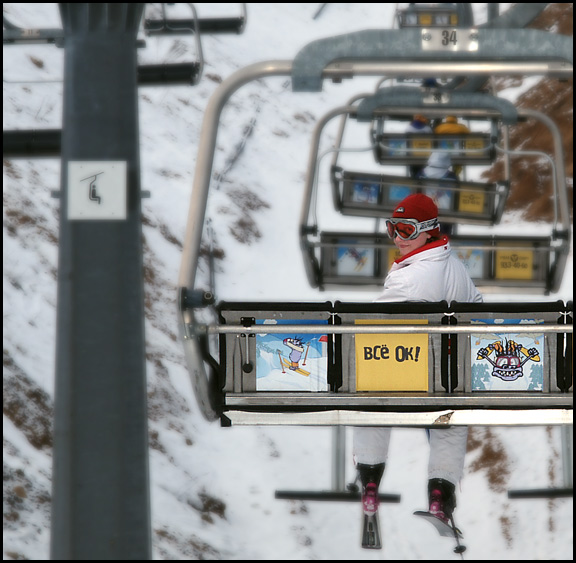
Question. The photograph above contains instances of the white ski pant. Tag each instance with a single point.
(447, 449)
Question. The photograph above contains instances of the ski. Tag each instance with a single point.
(371, 532)
(444, 529)
(288, 365)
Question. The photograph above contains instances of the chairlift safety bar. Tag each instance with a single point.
(388, 329)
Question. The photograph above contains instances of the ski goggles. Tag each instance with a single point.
(409, 229)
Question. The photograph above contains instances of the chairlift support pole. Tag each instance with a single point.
(339, 458)
(100, 500)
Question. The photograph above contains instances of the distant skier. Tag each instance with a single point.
(426, 271)
(451, 126)
(438, 167)
(419, 124)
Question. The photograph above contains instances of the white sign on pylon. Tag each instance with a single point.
(97, 190)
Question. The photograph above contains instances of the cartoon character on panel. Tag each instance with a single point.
(509, 358)
(359, 257)
(296, 349)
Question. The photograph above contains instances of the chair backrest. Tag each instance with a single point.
(415, 148)
(376, 195)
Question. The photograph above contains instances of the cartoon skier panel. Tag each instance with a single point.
(356, 261)
(288, 362)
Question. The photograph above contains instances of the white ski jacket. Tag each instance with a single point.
(430, 273)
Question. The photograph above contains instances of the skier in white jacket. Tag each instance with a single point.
(425, 271)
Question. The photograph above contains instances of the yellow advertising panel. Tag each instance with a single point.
(474, 146)
(426, 19)
(471, 202)
(424, 147)
(514, 264)
(392, 362)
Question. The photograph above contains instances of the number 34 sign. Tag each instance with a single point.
(449, 39)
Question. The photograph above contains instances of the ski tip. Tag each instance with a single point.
(444, 528)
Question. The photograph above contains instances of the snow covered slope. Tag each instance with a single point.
(213, 488)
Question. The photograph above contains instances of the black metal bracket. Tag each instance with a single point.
(335, 496)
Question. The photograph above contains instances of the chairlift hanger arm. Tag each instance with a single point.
(205, 158)
(559, 169)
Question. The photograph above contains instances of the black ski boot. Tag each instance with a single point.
(442, 498)
(370, 476)
(370, 473)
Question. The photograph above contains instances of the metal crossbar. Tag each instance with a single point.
(387, 329)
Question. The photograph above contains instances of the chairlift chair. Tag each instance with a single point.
(362, 259)
(165, 25)
(187, 73)
(222, 395)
